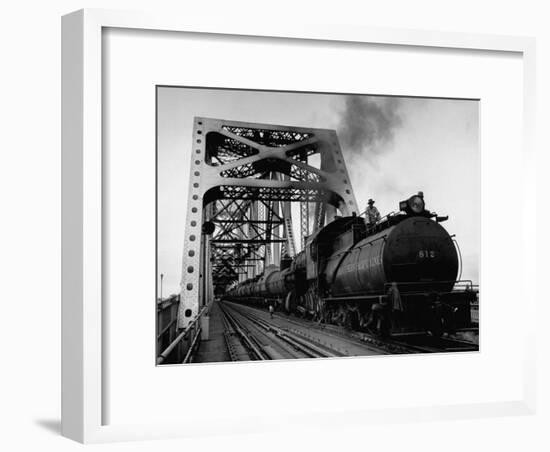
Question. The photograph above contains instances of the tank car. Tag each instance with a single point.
(399, 275)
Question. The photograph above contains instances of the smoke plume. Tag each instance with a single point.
(367, 124)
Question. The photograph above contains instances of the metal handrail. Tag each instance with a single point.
(469, 283)
(459, 258)
(166, 328)
(193, 345)
(164, 355)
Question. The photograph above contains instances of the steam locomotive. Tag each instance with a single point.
(397, 276)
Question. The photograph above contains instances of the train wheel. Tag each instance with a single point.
(352, 320)
(288, 302)
(441, 319)
(384, 327)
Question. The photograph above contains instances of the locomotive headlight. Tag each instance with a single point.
(413, 206)
(416, 204)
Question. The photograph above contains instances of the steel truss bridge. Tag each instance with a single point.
(244, 179)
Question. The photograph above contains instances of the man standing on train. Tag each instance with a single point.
(372, 215)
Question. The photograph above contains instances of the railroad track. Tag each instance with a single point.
(309, 342)
(399, 344)
(247, 346)
(423, 343)
(408, 343)
(265, 341)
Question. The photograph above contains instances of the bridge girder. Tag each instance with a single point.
(243, 177)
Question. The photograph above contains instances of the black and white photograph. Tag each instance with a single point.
(297, 225)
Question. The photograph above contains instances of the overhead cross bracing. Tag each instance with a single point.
(244, 180)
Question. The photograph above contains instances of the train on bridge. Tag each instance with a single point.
(400, 275)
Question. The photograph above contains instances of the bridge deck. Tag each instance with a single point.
(214, 349)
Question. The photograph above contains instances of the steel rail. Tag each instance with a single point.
(228, 331)
(397, 344)
(302, 344)
(305, 346)
(246, 338)
(354, 338)
(439, 345)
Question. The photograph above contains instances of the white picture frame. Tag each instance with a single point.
(83, 342)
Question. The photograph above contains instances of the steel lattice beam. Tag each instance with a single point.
(243, 178)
